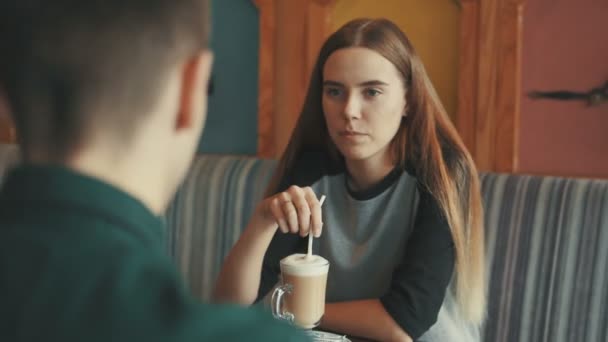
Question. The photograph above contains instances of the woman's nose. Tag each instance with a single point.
(352, 108)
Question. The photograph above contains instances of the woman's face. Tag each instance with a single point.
(363, 103)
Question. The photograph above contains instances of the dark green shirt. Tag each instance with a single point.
(83, 261)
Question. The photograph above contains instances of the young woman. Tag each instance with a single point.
(402, 222)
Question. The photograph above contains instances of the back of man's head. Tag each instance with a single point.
(70, 67)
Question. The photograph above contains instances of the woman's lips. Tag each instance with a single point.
(352, 135)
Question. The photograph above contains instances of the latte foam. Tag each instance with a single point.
(303, 265)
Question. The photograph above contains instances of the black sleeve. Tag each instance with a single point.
(309, 167)
(419, 282)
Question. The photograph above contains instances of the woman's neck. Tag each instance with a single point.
(369, 172)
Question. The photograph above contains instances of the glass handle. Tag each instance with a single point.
(277, 303)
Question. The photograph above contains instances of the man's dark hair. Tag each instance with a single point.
(69, 66)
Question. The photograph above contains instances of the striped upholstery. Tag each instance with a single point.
(547, 244)
(209, 213)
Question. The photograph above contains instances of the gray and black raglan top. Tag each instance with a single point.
(389, 242)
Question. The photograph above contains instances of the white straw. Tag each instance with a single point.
(310, 233)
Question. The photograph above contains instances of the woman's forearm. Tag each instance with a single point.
(239, 279)
(364, 318)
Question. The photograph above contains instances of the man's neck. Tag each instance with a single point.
(136, 179)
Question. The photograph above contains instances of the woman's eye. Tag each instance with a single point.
(372, 92)
(333, 92)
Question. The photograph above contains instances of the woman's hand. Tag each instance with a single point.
(296, 210)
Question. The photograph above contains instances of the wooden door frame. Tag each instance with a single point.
(491, 40)
(291, 34)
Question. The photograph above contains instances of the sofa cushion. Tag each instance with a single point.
(547, 253)
(209, 212)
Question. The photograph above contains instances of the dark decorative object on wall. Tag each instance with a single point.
(593, 97)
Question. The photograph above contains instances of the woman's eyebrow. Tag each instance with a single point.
(362, 84)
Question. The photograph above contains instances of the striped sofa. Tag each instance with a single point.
(547, 244)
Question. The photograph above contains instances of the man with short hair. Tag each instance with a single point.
(109, 100)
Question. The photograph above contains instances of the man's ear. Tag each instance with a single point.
(194, 78)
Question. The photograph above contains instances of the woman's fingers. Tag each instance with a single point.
(300, 202)
(277, 212)
(297, 210)
(289, 212)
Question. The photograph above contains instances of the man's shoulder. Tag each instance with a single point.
(117, 290)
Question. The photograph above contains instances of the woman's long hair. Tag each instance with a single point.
(426, 140)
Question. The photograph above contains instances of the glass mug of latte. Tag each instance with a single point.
(300, 297)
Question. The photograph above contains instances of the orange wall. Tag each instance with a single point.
(565, 47)
(433, 28)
